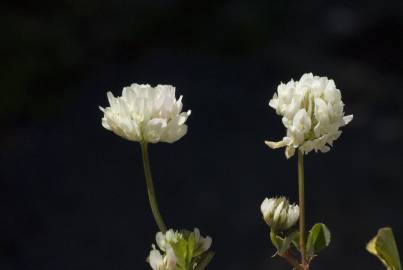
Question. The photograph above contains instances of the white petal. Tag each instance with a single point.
(302, 121)
(196, 232)
(292, 215)
(111, 99)
(154, 130)
(289, 152)
(160, 240)
(274, 101)
(275, 145)
(170, 259)
(206, 244)
(155, 259)
(267, 206)
(347, 119)
(278, 210)
(105, 123)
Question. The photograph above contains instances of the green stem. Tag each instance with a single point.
(205, 261)
(150, 188)
(301, 189)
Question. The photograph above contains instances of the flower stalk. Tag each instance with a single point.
(150, 188)
(313, 113)
(301, 191)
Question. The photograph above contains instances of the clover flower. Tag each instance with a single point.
(279, 214)
(146, 114)
(185, 248)
(312, 111)
(172, 237)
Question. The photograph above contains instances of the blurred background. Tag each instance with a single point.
(73, 194)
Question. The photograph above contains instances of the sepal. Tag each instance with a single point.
(282, 244)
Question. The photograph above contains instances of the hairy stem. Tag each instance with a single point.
(150, 188)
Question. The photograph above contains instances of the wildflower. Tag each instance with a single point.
(146, 114)
(312, 112)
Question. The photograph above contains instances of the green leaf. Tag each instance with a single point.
(383, 246)
(318, 239)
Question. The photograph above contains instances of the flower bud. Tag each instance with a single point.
(178, 249)
(279, 214)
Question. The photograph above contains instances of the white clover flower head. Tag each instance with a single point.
(312, 112)
(202, 243)
(279, 214)
(158, 261)
(145, 113)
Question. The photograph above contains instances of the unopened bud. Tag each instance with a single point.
(279, 214)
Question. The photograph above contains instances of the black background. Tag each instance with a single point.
(72, 194)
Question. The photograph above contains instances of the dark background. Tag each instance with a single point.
(72, 194)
